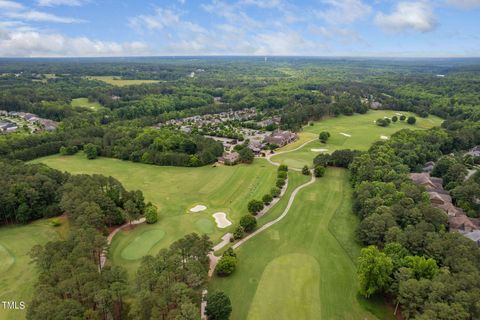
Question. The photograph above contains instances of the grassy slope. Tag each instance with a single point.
(362, 129)
(175, 190)
(310, 253)
(117, 81)
(84, 103)
(17, 275)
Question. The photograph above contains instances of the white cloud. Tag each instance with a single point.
(33, 15)
(466, 4)
(51, 3)
(163, 18)
(344, 11)
(37, 44)
(408, 15)
(10, 5)
(262, 3)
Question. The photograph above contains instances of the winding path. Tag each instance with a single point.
(283, 215)
(268, 157)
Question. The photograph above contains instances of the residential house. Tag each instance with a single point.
(428, 167)
(474, 152)
(6, 127)
(281, 138)
(230, 158)
(474, 236)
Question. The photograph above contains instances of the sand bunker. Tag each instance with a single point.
(345, 134)
(384, 137)
(399, 114)
(198, 208)
(319, 150)
(221, 220)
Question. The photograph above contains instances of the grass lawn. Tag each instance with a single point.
(304, 266)
(362, 133)
(174, 190)
(118, 81)
(84, 103)
(17, 274)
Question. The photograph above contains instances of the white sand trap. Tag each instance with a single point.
(221, 220)
(319, 150)
(198, 208)
(399, 114)
(384, 137)
(345, 134)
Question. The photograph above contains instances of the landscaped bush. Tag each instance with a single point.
(319, 171)
(305, 171)
(267, 199)
(281, 182)
(226, 265)
(255, 206)
(282, 174)
(68, 151)
(248, 223)
(275, 192)
(151, 214)
(239, 233)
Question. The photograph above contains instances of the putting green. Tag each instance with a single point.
(175, 190)
(296, 296)
(142, 243)
(362, 133)
(320, 227)
(205, 225)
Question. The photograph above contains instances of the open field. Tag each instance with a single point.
(118, 81)
(17, 274)
(347, 132)
(84, 103)
(175, 191)
(303, 267)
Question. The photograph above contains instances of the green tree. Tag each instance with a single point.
(374, 271)
(151, 214)
(319, 171)
(283, 167)
(238, 233)
(305, 171)
(411, 120)
(131, 210)
(219, 306)
(248, 223)
(91, 151)
(275, 192)
(324, 135)
(226, 266)
(402, 117)
(267, 199)
(255, 206)
(394, 119)
(246, 155)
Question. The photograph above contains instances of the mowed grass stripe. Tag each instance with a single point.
(304, 231)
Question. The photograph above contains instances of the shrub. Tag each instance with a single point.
(275, 192)
(226, 266)
(283, 167)
(255, 206)
(305, 171)
(230, 253)
(282, 175)
(91, 151)
(280, 183)
(324, 136)
(248, 223)
(394, 119)
(151, 214)
(402, 117)
(68, 151)
(411, 120)
(319, 171)
(219, 306)
(267, 199)
(239, 233)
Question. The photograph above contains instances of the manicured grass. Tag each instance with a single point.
(361, 128)
(174, 191)
(84, 103)
(17, 274)
(304, 266)
(118, 81)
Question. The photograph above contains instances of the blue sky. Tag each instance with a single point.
(425, 28)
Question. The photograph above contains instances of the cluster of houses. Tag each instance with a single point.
(35, 123)
(440, 198)
(257, 142)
